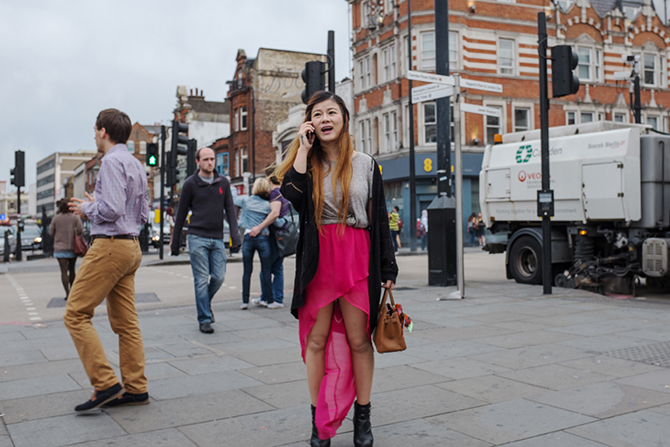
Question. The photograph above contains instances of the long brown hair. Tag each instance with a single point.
(341, 172)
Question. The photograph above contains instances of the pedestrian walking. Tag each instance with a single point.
(481, 231)
(63, 229)
(472, 229)
(344, 255)
(423, 223)
(207, 195)
(394, 217)
(119, 209)
(258, 213)
(169, 219)
(277, 264)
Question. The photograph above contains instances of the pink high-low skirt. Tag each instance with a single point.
(344, 263)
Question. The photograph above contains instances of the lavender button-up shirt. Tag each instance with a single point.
(121, 203)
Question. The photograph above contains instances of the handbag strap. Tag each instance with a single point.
(387, 292)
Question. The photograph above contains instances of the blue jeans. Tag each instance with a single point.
(277, 269)
(208, 264)
(261, 244)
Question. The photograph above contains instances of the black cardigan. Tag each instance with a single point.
(297, 188)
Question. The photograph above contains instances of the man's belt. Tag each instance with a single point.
(117, 236)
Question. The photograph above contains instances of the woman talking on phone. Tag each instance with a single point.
(344, 256)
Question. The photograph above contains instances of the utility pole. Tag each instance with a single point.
(544, 139)
(331, 61)
(412, 155)
(162, 204)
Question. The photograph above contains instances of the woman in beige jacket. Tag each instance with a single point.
(63, 229)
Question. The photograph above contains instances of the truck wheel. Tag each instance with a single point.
(525, 261)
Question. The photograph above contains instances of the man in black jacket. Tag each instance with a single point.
(206, 194)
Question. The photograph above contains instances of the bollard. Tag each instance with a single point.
(5, 255)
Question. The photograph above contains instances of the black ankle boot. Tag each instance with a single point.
(316, 441)
(362, 427)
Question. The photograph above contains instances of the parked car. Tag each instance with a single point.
(155, 234)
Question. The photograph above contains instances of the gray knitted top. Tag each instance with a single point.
(359, 192)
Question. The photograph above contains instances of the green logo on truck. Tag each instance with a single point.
(524, 153)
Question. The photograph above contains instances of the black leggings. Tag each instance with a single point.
(67, 273)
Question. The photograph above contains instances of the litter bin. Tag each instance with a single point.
(442, 242)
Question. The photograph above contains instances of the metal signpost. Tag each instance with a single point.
(441, 86)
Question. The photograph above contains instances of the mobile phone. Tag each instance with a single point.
(310, 134)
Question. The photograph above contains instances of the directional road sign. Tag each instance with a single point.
(429, 77)
(479, 85)
(472, 108)
(430, 92)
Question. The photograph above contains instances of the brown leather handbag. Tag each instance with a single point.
(80, 247)
(389, 335)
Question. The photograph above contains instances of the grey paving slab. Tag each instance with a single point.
(204, 365)
(268, 429)
(639, 429)
(394, 359)
(603, 400)
(13, 336)
(200, 384)
(5, 441)
(43, 405)
(520, 326)
(610, 366)
(415, 403)
(64, 430)
(523, 339)
(559, 439)
(532, 356)
(460, 368)
(37, 386)
(160, 438)
(555, 377)
(413, 433)
(609, 326)
(63, 351)
(468, 333)
(161, 370)
(287, 333)
(184, 349)
(565, 320)
(492, 389)
(437, 351)
(20, 358)
(270, 374)
(653, 333)
(657, 381)
(447, 319)
(272, 356)
(510, 421)
(27, 371)
(186, 411)
(47, 331)
(604, 343)
(397, 377)
(282, 395)
(253, 345)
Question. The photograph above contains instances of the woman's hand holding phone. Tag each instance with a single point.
(306, 135)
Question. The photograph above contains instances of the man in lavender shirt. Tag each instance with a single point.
(117, 212)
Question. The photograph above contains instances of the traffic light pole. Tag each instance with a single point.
(19, 249)
(412, 155)
(162, 204)
(544, 139)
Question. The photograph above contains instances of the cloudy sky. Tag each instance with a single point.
(62, 61)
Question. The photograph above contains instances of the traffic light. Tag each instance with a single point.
(191, 165)
(177, 139)
(19, 172)
(313, 75)
(152, 154)
(563, 79)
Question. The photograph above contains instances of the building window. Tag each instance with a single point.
(386, 65)
(361, 74)
(506, 56)
(586, 117)
(130, 145)
(368, 80)
(243, 118)
(222, 163)
(570, 118)
(589, 67)
(366, 136)
(653, 122)
(619, 118)
(363, 147)
(429, 123)
(237, 120)
(650, 69)
(428, 51)
(243, 165)
(493, 126)
(521, 120)
(453, 49)
(365, 20)
(390, 131)
(405, 52)
(392, 56)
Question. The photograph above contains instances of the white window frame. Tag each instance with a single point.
(405, 55)
(425, 124)
(653, 117)
(394, 66)
(654, 71)
(368, 125)
(237, 119)
(243, 118)
(529, 124)
(506, 69)
(390, 131)
(583, 113)
(385, 65)
(368, 79)
(243, 159)
(488, 125)
(567, 117)
(453, 50)
(623, 115)
(428, 62)
(363, 147)
(594, 65)
(361, 75)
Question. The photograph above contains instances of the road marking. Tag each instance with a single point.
(23, 296)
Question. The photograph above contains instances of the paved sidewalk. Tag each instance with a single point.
(506, 366)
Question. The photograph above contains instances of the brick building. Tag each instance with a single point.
(261, 93)
(52, 172)
(495, 41)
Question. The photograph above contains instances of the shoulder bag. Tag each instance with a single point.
(287, 238)
(80, 247)
(389, 335)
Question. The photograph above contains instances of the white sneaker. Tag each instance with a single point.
(244, 306)
(259, 303)
(275, 305)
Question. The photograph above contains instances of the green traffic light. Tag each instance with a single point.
(152, 160)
